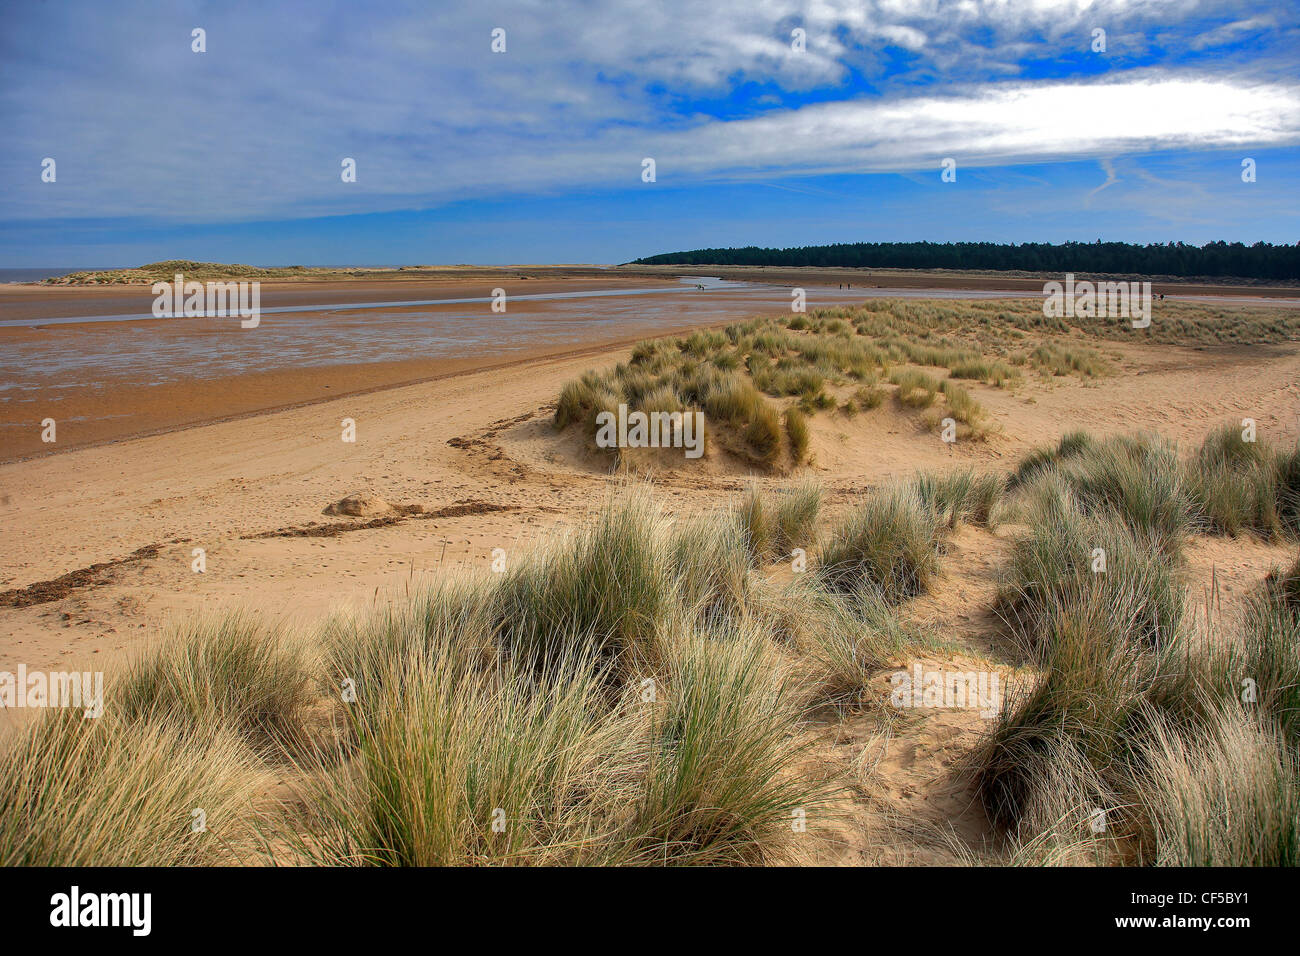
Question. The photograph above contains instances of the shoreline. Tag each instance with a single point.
(118, 407)
(461, 368)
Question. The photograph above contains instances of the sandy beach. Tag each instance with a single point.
(109, 380)
(732, 435)
(100, 543)
(467, 437)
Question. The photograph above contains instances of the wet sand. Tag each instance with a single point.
(35, 302)
(110, 380)
(105, 381)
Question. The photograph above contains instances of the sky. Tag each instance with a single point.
(770, 123)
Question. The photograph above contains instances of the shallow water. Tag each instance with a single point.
(88, 351)
(54, 353)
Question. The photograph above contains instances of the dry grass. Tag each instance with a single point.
(623, 695)
(114, 792)
(1140, 713)
(639, 691)
(746, 375)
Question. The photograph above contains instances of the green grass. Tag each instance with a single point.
(970, 417)
(1071, 445)
(1051, 577)
(710, 559)
(1139, 477)
(1224, 794)
(990, 371)
(770, 529)
(604, 589)
(1067, 360)
(1240, 486)
(796, 428)
(717, 789)
(961, 495)
(459, 765)
(1181, 727)
(637, 691)
(890, 545)
(229, 670)
(844, 640)
(112, 792)
(915, 389)
(757, 527)
(795, 517)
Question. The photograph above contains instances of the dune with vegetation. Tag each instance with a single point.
(635, 658)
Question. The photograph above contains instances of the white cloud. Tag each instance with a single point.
(256, 127)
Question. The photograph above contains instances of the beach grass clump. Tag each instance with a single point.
(710, 559)
(915, 389)
(583, 399)
(890, 544)
(359, 649)
(1072, 560)
(799, 434)
(786, 380)
(1139, 478)
(603, 588)
(1059, 360)
(794, 516)
(1071, 445)
(670, 380)
(1263, 650)
(967, 414)
(990, 371)
(1156, 738)
(113, 792)
(1223, 793)
(869, 397)
(757, 526)
(1282, 588)
(1076, 717)
(690, 762)
(772, 526)
(229, 670)
(808, 356)
(843, 639)
(1138, 711)
(1101, 675)
(762, 436)
(962, 495)
(717, 788)
(456, 765)
(1238, 485)
(1288, 490)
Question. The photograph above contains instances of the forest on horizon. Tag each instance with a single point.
(1260, 260)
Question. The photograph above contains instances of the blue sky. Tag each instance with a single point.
(535, 154)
